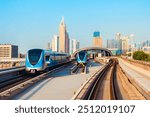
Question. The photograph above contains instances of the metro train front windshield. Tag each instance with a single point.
(81, 55)
(34, 56)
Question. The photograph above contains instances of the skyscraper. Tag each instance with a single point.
(55, 43)
(74, 45)
(114, 46)
(63, 37)
(97, 40)
(148, 43)
(118, 36)
(125, 44)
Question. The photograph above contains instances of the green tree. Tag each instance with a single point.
(148, 59)
(140, 55)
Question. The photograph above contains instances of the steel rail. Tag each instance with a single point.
(113, 83)
(92, 90)
(12, 91)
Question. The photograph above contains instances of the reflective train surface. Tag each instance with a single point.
(39, 60)
(82, 57)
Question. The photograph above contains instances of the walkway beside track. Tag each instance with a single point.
(61, 85)
(140, 76)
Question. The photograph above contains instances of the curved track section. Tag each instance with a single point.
(110, 83)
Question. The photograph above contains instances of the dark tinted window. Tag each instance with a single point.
(81, 55)
(34, 56)
(47, 58)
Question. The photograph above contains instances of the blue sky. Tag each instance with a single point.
(32, 23)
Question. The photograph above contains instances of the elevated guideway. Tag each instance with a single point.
(60, 85)
(8, 74)
(8, 63)
(14, 84)
(109, 83)
(139, 76)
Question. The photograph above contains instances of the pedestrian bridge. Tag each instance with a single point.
(103, 51)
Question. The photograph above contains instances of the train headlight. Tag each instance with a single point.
(33, 71)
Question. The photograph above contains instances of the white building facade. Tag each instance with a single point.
(74, 45)
(55, 43)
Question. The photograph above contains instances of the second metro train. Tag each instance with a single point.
(38, 60)
(82, 57)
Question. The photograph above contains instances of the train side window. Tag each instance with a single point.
(57, 57)
(47, 58)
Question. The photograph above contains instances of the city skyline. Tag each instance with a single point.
(32, 24)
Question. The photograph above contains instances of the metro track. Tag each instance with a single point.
(110, 83)
(11, 87)
(79, 68)
(98, 89)
(4, 85)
